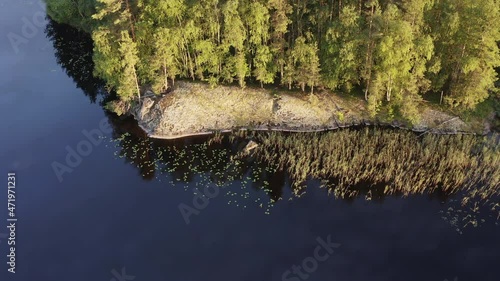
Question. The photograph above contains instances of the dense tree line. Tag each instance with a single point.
(394, 51)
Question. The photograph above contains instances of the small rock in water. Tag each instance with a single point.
(251, 145)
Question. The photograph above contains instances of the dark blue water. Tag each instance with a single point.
(109, 219)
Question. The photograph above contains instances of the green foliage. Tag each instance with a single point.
(127, 84)
(467, 33)
(342, 51)
(264, 67)
(395, 51)
(115, 52)
(340, 116)
(76, 12)
(118, 107)
(235, 35)
(305, 63)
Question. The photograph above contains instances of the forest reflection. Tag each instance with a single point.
(459, 171)
(368, 163)
(73, 51)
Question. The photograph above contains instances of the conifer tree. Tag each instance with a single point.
(128, 81)
(393, 50)
(234, 42)
(280, 11)
(306, 63)
(369, 42)
(115, 52)
(467, 48)
(342, 50)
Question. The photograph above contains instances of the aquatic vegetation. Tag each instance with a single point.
(396, 162)
(469, 215)
(368, 163)
(212, 161)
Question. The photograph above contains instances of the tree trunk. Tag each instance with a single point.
(218, 25)
(368, 54)
(190, 62)
(137, 85)
(389, 89)
(130, 19)
(201, 76)
(165, 76)
(331, 10)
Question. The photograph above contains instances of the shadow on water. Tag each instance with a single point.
(469, 198)
(367, 163)
(74, 54)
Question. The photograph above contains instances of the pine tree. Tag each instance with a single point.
(369, 40)
(77, 13)
(342, 50)
(395, 50)
(233, 43)
(264, 68)
(206, 14)
(166, 57)
(128, 81)
(306, 63)
(280, 11)
(115, 52)
(106, 60)
(257, 20)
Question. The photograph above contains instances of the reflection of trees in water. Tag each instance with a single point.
(198, 161)
(283, 162)
(73, 51)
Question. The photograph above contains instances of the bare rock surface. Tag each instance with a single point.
(195, 108)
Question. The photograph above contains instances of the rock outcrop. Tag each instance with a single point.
(195, 109)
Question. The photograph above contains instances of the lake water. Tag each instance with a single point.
(115, 214)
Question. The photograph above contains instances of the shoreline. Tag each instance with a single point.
(284, 130)
(195, 109)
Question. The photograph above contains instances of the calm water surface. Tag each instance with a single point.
(116, 212)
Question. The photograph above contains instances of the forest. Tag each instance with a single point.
(392, 52)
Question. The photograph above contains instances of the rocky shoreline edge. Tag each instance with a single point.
(195, 109)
